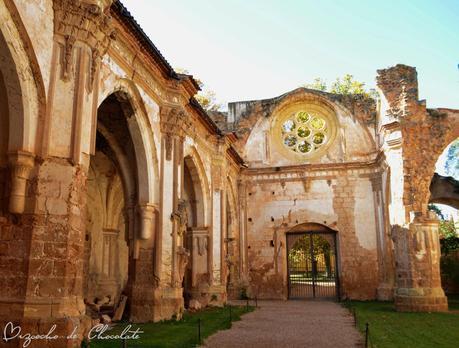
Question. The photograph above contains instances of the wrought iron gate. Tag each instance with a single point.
(312, 265)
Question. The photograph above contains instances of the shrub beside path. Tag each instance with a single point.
(291, 324)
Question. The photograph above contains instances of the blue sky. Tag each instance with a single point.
(253, 49)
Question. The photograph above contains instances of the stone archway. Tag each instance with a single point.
(444, 187)
(232, 242)
(120, 218)
(196, 280)
(22, 101)
(22, 107)
(142, 137)
(444, 190)
(444, 201)
(111, 191)
(312, 262)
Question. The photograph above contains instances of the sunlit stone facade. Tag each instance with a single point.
(113, 180)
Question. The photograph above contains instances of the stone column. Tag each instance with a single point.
(243, 251)
(418, 282)
(385, 255)
(198, 239)
(142, 277)
(21, 164)
(405, 123)
(147, 220)
(43, 245)
(44, 248)
(110, 266)
(218, 288)
(171, 257)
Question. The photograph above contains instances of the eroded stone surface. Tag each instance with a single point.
(114, 180)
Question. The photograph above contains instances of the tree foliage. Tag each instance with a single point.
(436, 210)
(446, 230)
(208, 100)
(317, 84)
(346, 85)
(206, 97)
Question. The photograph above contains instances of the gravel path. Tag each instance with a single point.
(291, 324)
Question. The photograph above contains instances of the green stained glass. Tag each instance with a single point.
(304, 132)
(302, 117)
(318, 138)
(317, 123)
(290, 140)
(304, 146)
(288, 126)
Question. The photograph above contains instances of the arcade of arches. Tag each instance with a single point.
(115, 182)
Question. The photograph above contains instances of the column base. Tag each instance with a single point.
(421, 300)
(385, 292)
(218, 296)
(152, 305)
(234, 292)
(142, 304)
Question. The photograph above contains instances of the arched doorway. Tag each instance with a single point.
(22, 101)
(112, 196)
(444, 201)
(196, 279)
(312, 265)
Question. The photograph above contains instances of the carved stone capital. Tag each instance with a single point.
(174, 123)
(147, 220)
(21, 164)
(86, 21)
(392, 135)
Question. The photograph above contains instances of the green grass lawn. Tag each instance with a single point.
(392, 329)
(177, 334)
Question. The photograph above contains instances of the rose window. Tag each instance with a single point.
(304, 132)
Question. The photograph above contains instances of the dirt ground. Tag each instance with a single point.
(291, 324)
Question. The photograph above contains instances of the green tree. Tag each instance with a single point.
(345, 86)
(436, 210)
(446, 230)
(317, 84)
(206, 97)
(208, 100)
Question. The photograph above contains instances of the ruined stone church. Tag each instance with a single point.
(114, 181)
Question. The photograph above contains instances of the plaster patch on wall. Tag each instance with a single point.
(151, 106)
(113, 67)
(365, 215)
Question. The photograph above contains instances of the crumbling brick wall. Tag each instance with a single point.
(425, 132)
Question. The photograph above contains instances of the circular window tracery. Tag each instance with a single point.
(305, 132)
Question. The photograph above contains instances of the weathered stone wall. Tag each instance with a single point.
(55, 76)
(424, 133)
(337, 197)
(254, 123)
(406, 124)
(106, 239)
(417, 251)
(334, 189)
(42, 252)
